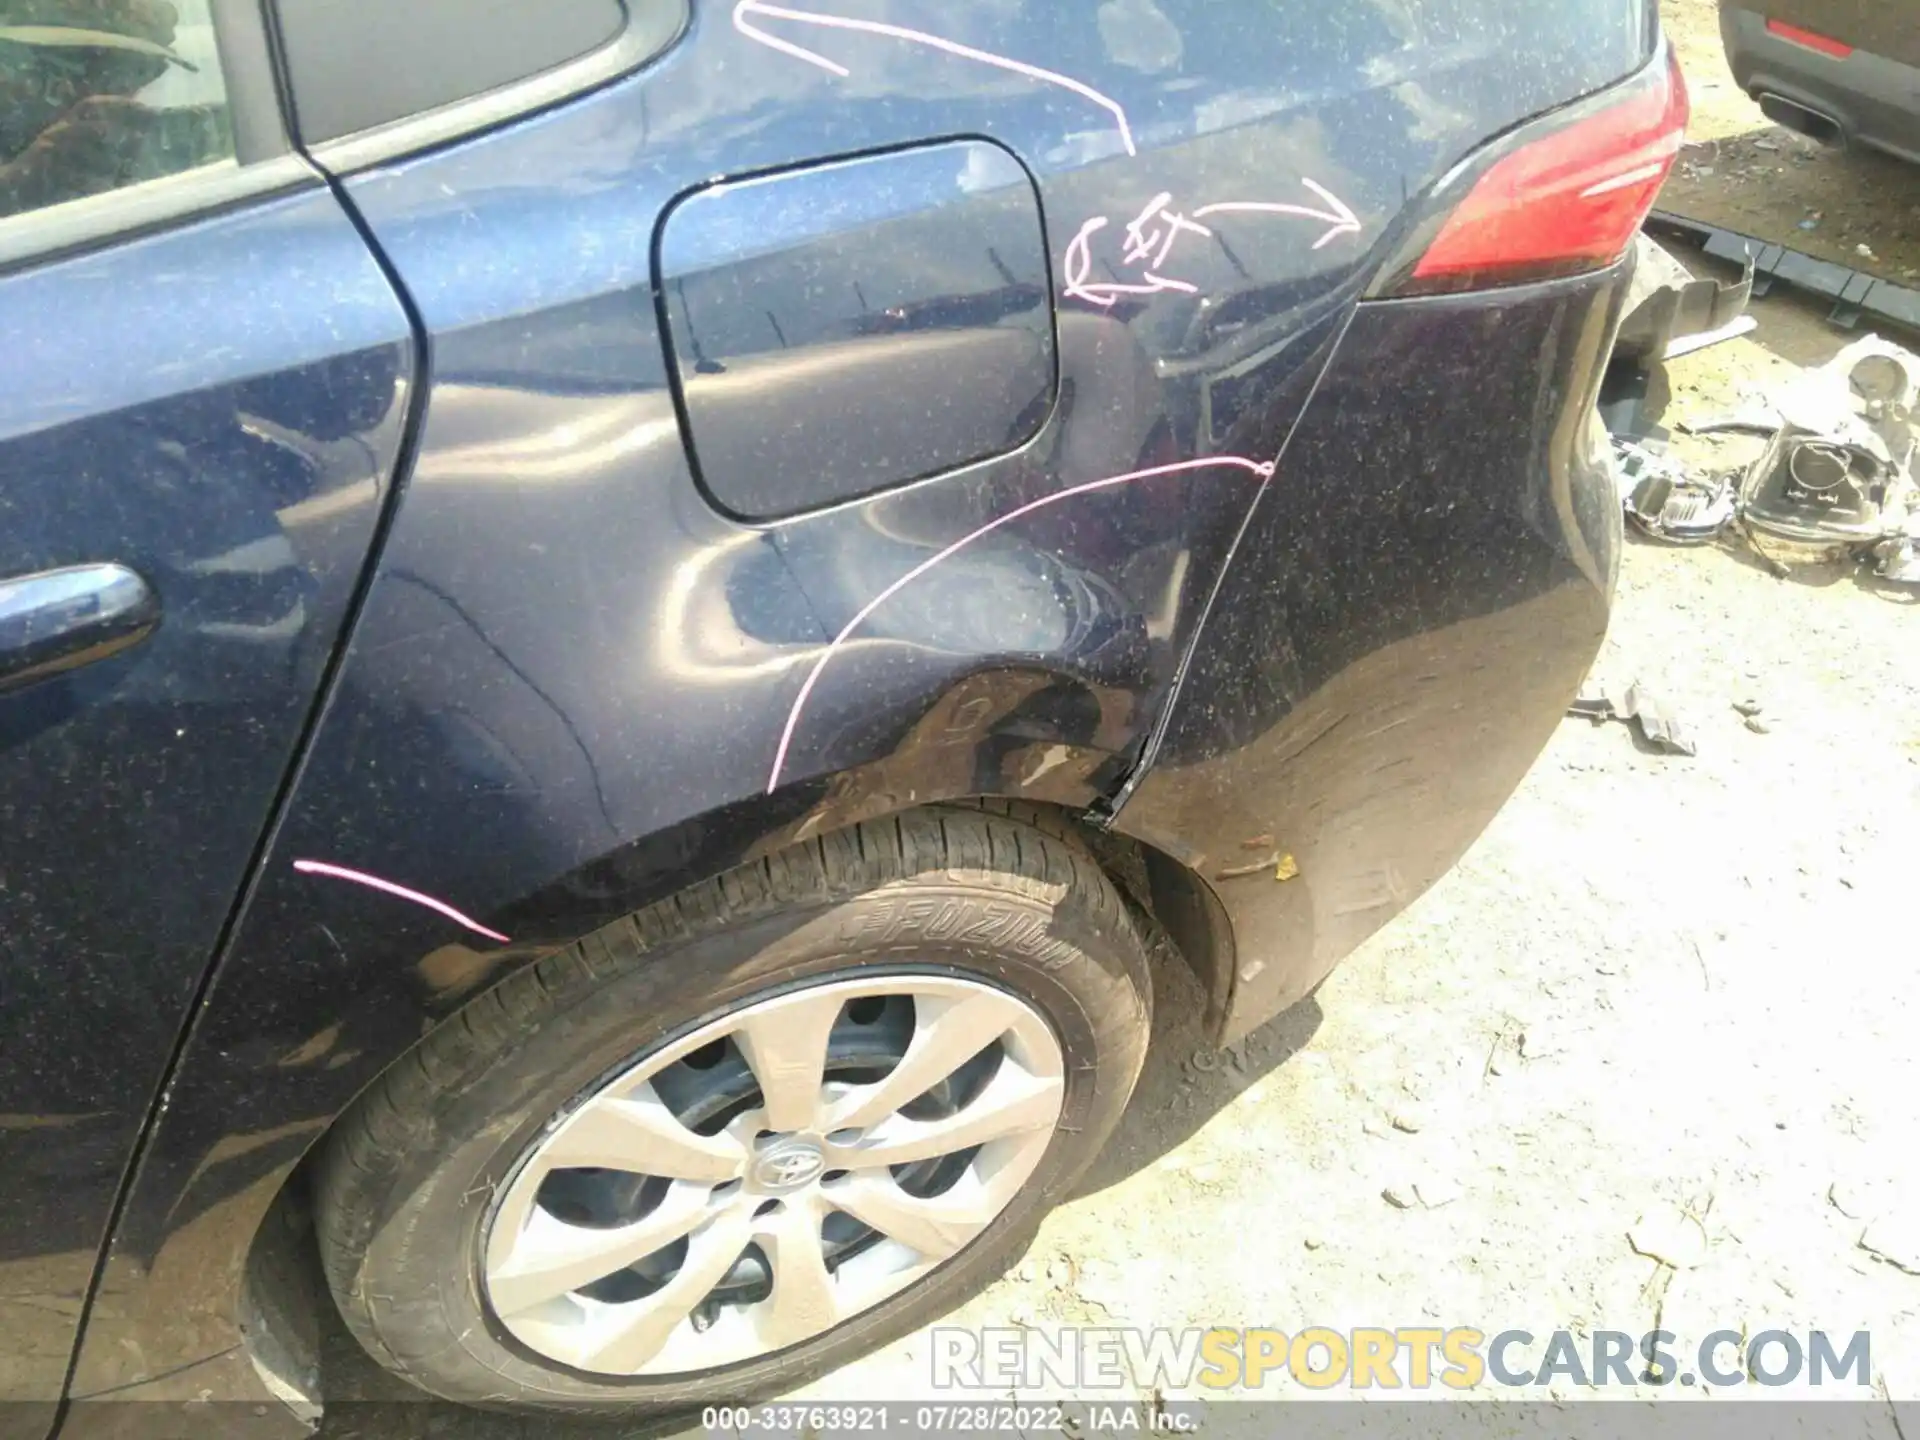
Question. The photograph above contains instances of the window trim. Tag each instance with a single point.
(124, 214)
(260, 130)
(647, 33)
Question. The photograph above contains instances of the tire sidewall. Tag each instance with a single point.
(421, 1262)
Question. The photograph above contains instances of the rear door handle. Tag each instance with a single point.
(58, 620)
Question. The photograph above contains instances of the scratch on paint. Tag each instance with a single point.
(760, 8)
(340, 872)
(334, 940)
(1263, 469)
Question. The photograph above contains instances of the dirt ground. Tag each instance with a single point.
(1659, 993)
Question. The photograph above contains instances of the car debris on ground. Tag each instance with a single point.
(1837, 476)
(1856, 296)
(1669, 312)
(1665, 500)
(1634, 704)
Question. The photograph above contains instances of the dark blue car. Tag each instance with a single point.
(623, 625)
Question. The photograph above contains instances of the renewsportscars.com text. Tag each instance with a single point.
(1404, 1358)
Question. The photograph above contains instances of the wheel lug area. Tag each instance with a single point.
(783, 1162)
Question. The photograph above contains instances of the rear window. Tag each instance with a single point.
(357, 64)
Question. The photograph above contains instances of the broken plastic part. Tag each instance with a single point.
(1664, 501)
(1665, 302)
(1639, 707)
(1898, 560)
(1838, 471)
(1753, 422)
(1681, 512)
(1732, 330)
(1854, 295)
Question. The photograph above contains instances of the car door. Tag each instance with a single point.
(203, 388)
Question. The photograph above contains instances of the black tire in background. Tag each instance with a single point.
(404, 1182)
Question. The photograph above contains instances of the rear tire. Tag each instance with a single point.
(444, 1150)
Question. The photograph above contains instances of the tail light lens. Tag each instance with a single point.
(1810, 39)
(1567, 201)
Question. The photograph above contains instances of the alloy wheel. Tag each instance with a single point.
(777, 1171)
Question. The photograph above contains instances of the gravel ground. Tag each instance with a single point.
(1660, 994)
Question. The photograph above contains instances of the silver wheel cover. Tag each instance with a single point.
(771, 1177)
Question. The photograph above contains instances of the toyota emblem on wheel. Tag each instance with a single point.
(785, 1169)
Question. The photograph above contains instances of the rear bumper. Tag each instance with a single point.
(1414, 603)
(1874, 100)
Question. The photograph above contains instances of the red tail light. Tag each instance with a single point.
(1839, 49)
(1569, 201)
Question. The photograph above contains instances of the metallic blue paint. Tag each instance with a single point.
(217, 409)
(844, 328)
(1398, 637)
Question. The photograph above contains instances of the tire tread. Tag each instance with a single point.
(1024, 849)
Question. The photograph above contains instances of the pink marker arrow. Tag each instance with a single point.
(1337, 215)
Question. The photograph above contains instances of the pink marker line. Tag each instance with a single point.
(1342, 219)
(340, 872)
(1137, 243)
(1079, 264)
(1262, 469)
(917, 37)
(1176, 224)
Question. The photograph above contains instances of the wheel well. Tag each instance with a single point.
(1182, 908)
(286, 1312)
(284, 1305)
